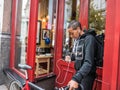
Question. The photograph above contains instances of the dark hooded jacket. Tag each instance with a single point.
(84, 59)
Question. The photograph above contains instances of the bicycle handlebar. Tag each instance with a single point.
(67, 88)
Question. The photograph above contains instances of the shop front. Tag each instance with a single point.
(40, 39)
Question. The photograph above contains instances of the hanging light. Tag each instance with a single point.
(47, 17)
(43, 17)
(43, 20)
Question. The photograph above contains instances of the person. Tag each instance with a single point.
(83, 53)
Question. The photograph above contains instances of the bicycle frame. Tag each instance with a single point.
(27, 82)
(24, 84)
(26, 87)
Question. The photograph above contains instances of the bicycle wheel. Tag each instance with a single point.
(15, 85)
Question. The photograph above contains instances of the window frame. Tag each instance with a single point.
(31, 38)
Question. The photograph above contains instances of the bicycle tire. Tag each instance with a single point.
(15, 85)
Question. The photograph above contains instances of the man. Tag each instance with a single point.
(83, 54)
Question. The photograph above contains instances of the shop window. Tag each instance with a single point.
(45, 37)
(71, 12)
(22, 22)
(97, 14)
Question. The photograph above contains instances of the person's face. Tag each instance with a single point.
(74, 33)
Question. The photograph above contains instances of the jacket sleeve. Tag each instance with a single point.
(88, 59)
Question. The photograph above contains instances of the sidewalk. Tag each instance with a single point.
(3, 87)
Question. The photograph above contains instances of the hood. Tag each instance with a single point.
(88, 32)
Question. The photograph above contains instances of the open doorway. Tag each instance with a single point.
(46, 28)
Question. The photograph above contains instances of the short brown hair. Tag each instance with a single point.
(74, 24)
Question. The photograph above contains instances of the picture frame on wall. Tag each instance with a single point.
(45, 33)
(39, 24)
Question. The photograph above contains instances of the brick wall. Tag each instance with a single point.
(5, 39)
(4, 56)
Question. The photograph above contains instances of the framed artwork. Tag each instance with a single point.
(38, 32)
(45, 33)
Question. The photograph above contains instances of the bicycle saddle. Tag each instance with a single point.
(24, 66)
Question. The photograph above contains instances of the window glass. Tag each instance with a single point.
(22, 22)
(71, 12)
(97, 14)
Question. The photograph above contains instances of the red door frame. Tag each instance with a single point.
(118, 81)
(59, 32)
(31, 37)
(13, 28)
(111, 51)
(83, 14)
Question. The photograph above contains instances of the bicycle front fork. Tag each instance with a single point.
(26, 87)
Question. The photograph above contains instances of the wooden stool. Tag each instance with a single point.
(42, 59)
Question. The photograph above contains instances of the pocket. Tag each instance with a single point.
(80, 54)
(78, 64)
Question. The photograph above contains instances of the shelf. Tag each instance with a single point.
(42, 71)
(44, 56)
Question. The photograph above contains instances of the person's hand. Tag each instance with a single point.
(67, 58)
(72, 85)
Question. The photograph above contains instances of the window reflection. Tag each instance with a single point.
(71, 12)
(22, 22)
(97, 15)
